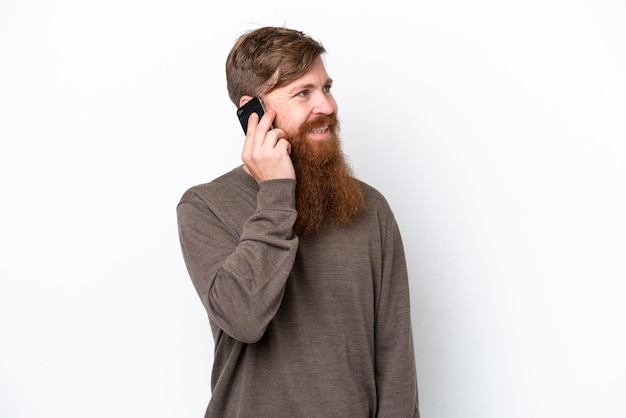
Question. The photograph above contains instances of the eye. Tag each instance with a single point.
(303, 93)
(326, 88)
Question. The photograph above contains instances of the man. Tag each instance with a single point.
(299, 265)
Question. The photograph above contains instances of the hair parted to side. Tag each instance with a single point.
(267, 58)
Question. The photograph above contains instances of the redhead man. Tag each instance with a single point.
(299, 265)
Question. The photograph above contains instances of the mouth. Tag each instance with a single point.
(319, 130)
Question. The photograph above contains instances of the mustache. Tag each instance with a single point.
(323, 120)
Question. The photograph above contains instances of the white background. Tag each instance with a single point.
(496, 130)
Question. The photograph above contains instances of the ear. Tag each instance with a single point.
(244, 100)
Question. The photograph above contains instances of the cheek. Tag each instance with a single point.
(290, 123)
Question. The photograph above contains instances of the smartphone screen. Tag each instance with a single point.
(254, 105)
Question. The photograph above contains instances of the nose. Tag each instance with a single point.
(325, 105)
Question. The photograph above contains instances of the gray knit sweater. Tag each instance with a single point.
(310, 326)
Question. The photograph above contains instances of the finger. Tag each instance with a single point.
(250, 140)
(267, 120)
(284, 144)
(272, 137)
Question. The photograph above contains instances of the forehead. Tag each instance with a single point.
(316, 76)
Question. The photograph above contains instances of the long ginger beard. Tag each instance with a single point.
(326, 190)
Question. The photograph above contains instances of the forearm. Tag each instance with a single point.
(241, 278)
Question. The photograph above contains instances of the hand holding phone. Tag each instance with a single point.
(254, 105)
(265, 153)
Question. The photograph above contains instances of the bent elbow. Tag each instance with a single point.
(244, 325)
(249, 336)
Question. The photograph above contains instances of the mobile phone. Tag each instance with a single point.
(254, 105)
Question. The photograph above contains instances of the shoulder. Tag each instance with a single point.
(218, 188)
(378, 209)
(374, 198)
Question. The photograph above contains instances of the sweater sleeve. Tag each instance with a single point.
(240, 279)
(396, 380)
